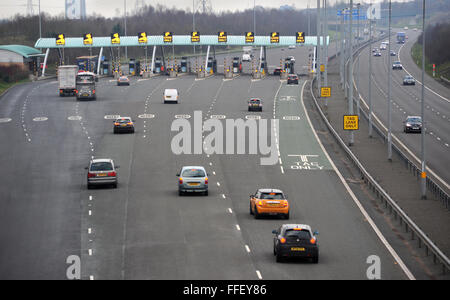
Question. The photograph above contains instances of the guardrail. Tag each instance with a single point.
(384, 197)
(411, 163)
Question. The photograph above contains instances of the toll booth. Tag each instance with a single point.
(289, 66)
(157, 67)
(138, 68)
(184, 64)
(236, 65)
(106, 67)
(132, 67)
(263, 65)
(212, 65)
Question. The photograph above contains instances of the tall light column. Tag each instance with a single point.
(319, 54)
(423, 186)
(370, 73)
(389, 88)
(350, 72)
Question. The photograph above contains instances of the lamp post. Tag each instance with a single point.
(423, 187)
(389, 137)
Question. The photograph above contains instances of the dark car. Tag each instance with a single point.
(295, 240)
(393, 53)
(409, 80)
(277, 71)
(413, 124)
(255, 104)
(292, 79)
(123, 124)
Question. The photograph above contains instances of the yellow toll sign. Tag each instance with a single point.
(167, 37)
(142, 37)
(115, 38)
(300, 37)
(351, 122)
(275, 37)
(195, 37)
(61, 39)
(250, 37)
(222, 37)
(87, 39)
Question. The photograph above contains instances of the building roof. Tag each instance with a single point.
(25, 51)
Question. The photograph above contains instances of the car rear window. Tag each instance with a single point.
(297, 234)
(123, 120)
(255, 100)
(193, 173)
(274, 196)
(101, 166)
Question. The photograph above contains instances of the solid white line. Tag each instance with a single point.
(355, 199)
(259, 274)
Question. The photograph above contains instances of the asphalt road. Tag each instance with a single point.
(143, 229)
(406, 101)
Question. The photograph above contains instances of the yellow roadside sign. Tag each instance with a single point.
(322, 68)
(300, 37)
(87, 39)
(325, 92)
(275, 37)
(222, 36)
(195, 37)
(142, 37)
(250, 37)
(115, 38)
(351, 122)
(167, 37)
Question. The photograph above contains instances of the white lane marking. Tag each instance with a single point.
(91, 277)
(355, 199)
(89, 230)
(247, 248)
(90, 252)
(5, 120)
(223, 196)
(442, 97)
(111, 117)
(214, 173)
(40, 119)
(182, 116)
(230, 210)
(218, 183)
(282, 169)
(90, 198)
(146, 116)
(220, 117)
(74, 118)
(238, 228)
(90, 212)
(258, 273)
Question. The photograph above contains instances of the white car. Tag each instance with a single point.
(171, 95)
(292, 47)
(246, 57)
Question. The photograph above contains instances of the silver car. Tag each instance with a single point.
(102, 171)
(192, 179)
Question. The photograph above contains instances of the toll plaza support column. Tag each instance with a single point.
(163, 59)
(153, 60)
(206, 61)
(99, 60)
(45, 62)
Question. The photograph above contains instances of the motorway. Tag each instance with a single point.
(406, 101)
(143, 229)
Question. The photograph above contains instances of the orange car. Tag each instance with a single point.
(269, 202)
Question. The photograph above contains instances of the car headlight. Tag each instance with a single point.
(408, 124)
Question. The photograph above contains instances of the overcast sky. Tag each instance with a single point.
(110, 8)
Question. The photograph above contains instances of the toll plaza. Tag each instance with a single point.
(207, 64)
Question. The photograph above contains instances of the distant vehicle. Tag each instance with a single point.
(124, 124)
(171, 95)
(255, 104)
(278, 71)
(413, 124)
(409, 80)
(290, 58)
(246, 57)
(393, 53)
(67, 80)
(102, 171)
(295, 240)
(397, 66)
(192, 179)
(85, 82)
(269, 202)
(292, 79)
(378, 53)
(123, 80)
(405, 28)
(375, 50)
(415, 29)
(401, 36)
(383, 46)
(291, 47)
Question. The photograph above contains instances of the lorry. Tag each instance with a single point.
(401, 37)
(67, 80)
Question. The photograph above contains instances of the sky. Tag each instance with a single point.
(110, 8)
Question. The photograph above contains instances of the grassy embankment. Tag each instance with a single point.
(416, 54)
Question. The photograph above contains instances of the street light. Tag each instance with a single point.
(423, 187)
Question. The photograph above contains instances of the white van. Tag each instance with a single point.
(171, 95)
(246, 57)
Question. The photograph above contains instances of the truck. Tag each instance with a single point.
(401, 37)
(67, 80)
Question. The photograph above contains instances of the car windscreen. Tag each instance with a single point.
(297, 234)
(101, 166)
(193, 173)
(414, 120)
(272, 196)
